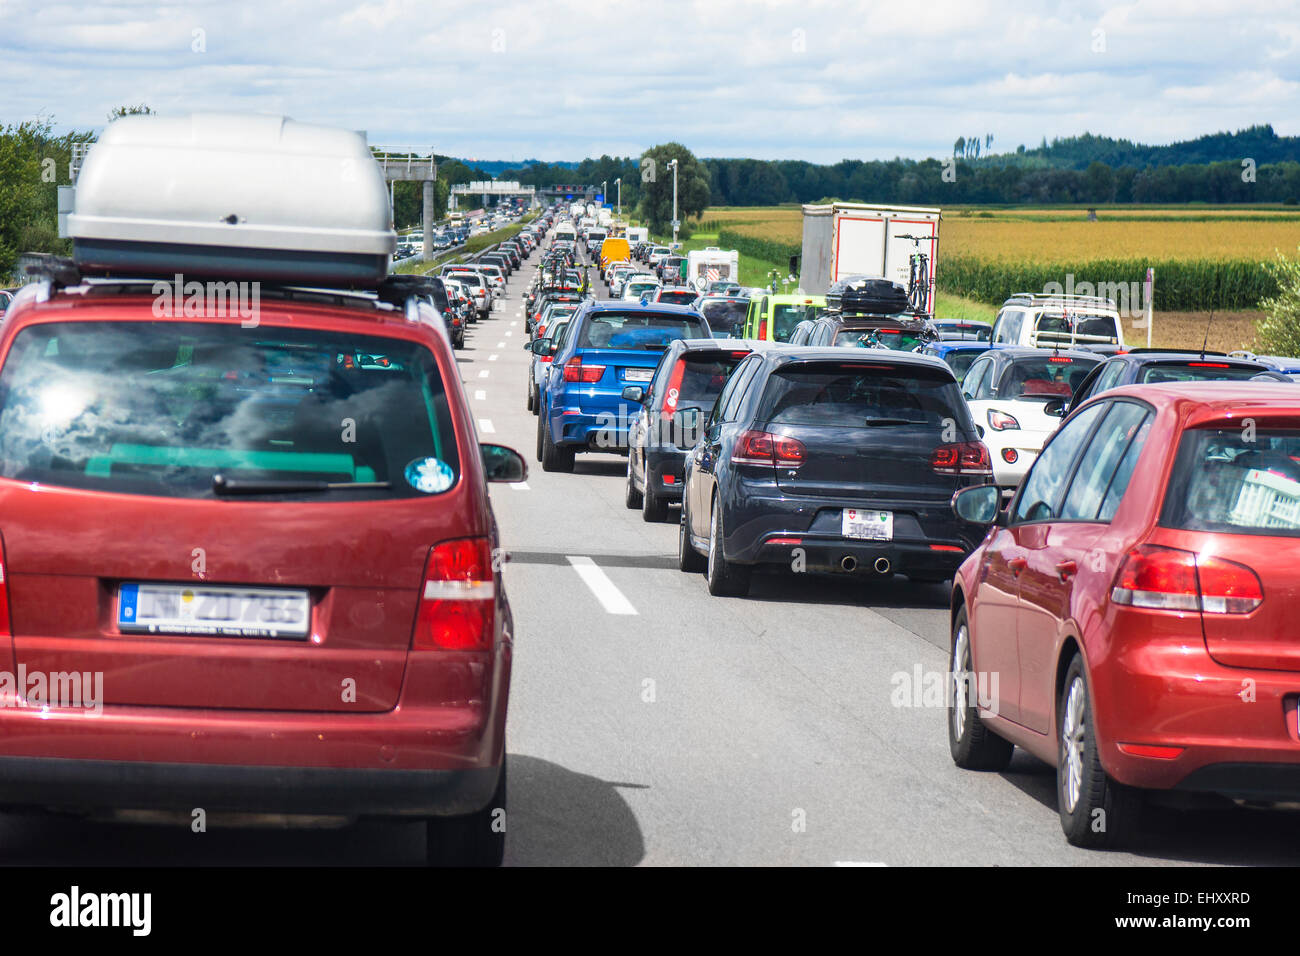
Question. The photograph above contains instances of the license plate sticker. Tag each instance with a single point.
(213, 611)
(638, 374)
(868, 525)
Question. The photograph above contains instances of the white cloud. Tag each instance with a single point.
(564, 79)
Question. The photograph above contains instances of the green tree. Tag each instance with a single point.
(656, 206)
(1278, 332)
(142, 109)
(1099, 182)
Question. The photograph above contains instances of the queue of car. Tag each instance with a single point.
(1120, 526)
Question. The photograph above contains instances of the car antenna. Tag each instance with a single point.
(1206, 340)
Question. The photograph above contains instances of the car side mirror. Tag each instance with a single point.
(978, 505)
(686, 426)
(503, 464)
(634, 393)
(1057, 408)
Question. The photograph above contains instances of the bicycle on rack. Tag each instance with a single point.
(918, 279)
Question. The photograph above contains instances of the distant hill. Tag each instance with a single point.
(1259, 143)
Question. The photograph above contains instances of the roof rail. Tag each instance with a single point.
(1062, 299)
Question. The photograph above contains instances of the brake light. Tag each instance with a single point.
(1060, 360)
(1208, 365)
(673, 391)
(1170, 579)
(1000, 421)
(575, 371)
(765, 448)
(962, 458)
(762, 330)
(458, 598)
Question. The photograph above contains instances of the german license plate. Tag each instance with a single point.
(638, 374)
(869, 525)
(214, 611)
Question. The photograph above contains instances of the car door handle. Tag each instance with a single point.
(1066, 569)
(1017, 565)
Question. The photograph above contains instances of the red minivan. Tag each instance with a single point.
(271, 551)
(1131, 617)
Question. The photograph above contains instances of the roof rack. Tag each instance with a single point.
(58, 272)
(1062, 299)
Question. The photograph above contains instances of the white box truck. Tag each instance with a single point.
(847, 239)
(711, 264)
(637, 234)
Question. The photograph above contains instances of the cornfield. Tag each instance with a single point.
(1204, 257)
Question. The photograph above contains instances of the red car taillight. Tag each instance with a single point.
(765, 448)
(673, 391)
(458, 598)
(1170, 579)
(962, 458)
(999, 421)
(575, 371)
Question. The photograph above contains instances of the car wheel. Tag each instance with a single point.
(973, 745)
(1096, 811)
(631, 497)
(531, 398)
(688, 559)
(537, 400)
(476, 839)
(541, 420)
(553, 457)
(653, 508)
(725, 578)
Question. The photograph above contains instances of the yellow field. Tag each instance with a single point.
(1006, 234)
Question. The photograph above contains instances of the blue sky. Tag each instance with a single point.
(561, 79)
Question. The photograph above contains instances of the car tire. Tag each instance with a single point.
(972, 744)
(726, 579)
(536, 401)
(476, 839)
(540, 421)
(553, 457)
(689, 560)
(1096, 811)
(631, 497)
(653, 508)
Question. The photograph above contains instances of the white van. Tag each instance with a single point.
(565, 231)
(1052, 321)
(711, 264)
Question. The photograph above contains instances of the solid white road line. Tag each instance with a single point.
(610, 597)
(485, 426)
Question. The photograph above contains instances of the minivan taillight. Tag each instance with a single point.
(575, 371)
(1170, 579)
(458, 598)
(765, 448)
(962, 458)
(673, 391)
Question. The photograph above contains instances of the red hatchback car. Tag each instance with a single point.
(1131, 617)
(270, 549)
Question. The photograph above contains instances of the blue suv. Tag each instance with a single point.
(609, 346)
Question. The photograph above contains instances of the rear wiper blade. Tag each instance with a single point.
(878, 422)
(222, 485)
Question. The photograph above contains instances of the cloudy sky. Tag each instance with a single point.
(565, 79)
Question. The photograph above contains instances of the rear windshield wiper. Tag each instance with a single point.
(222, 485)
(880, 422)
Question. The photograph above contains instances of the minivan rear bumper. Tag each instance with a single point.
(91, 785)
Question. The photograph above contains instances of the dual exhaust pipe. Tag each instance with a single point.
(850, 563)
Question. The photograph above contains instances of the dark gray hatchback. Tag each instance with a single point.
(830, 460)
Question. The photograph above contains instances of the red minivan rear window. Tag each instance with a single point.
(162, 408)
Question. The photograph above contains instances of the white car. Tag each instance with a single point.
(637, 286)
(1048, 321)
(1016, 397)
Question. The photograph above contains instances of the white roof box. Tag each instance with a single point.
(262, 197)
